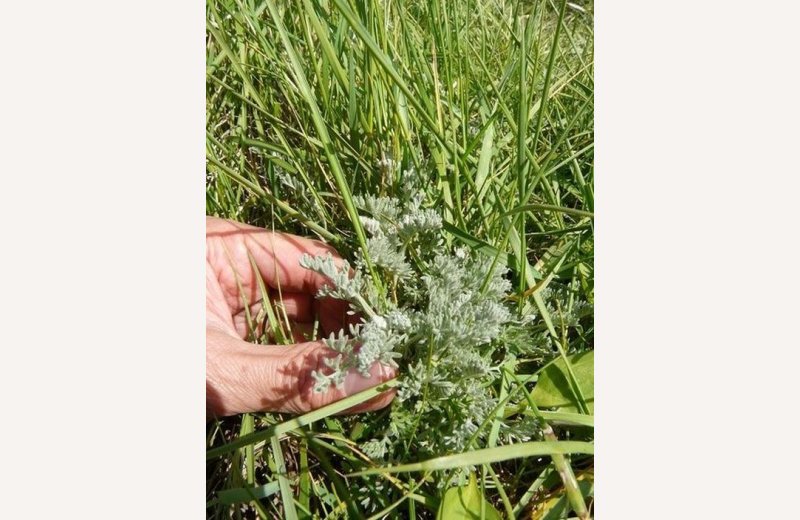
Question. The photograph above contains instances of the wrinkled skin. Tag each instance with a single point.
(244, 377)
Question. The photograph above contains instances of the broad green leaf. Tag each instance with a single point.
(553, 389)
(465, 503)
(576, 419)
(555, 507)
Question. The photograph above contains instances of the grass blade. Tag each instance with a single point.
(287, 497)
(324, 136)
(488, 456)
(303, 420)
(549, 207)
(243, 495)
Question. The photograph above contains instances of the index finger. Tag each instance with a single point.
(230, 246)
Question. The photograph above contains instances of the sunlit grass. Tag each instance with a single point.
(309, 103)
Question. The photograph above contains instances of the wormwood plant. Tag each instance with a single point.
(443, 318)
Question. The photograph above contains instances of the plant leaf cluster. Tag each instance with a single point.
(445, 319)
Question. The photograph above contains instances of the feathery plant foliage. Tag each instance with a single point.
(446, 150)
(445, 318)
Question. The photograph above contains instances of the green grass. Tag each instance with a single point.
(493, 102)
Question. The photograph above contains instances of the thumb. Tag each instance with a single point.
(244, 377)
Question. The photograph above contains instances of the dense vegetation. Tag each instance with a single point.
(446, 150)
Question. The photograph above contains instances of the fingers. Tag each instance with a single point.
(298, 332)
(231, 245)
(333, 315)
(296, 307)
(242, 377)
(300, 309)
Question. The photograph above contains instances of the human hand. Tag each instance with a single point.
(244, 377)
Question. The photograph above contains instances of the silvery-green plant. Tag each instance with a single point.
(444, 314)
